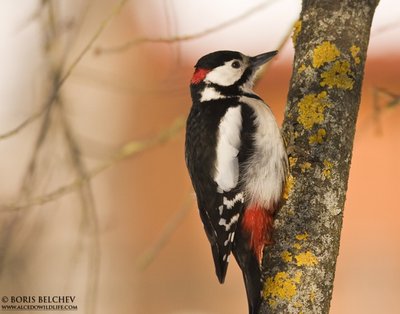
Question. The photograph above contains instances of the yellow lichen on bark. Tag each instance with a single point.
(296, 31)
(324, 53)
(292, 161)
(327, 171)
(298, 305)
(305, 166)
(312, 296)
(338, 76)
(297, 246)
(317, 138)
(281, 287)
(286, 256)
(311, 109)
(354, 50)
(288, 186)
(302, 237)
(301, 69)
(306, 259)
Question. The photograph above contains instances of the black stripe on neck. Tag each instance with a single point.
(251, 95)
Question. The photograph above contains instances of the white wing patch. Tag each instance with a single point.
(230, 203)
(228, 145)
(228, 225)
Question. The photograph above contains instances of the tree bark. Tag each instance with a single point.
(331, 40)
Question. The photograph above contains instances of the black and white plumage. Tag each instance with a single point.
(237, 162)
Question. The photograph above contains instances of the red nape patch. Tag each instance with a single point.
(257, 223)
(199, 75)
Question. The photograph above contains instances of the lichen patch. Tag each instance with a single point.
(301, 68)
(297, 246)
(311, 109)
(302, 237)
(324, 53)
(355, 50)
(292, 161)
(317, 138)
(312, 297)
(338, 75)
(327, 171)
(290, 180)
(305, 166)
(282, 286)
(306, 259)
(296, 31)
(331, 203)
(286, 256)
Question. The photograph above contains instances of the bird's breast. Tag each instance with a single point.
(265, 170)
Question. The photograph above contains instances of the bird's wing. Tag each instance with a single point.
(216, 148)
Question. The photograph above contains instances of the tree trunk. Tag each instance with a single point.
(331, 40)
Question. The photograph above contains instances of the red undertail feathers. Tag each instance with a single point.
(257, 223)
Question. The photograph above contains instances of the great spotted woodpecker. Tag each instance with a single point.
(237, 163)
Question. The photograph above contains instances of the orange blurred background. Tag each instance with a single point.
(133, 94)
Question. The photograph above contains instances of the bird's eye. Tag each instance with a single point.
(236, 64)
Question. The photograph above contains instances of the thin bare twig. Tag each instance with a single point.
(67, 72)
(180, 38)
(89, 213)
(168, 230)
(385, 28)
(128, 150)
(90, 43)
(382, 100)
(394, 100)
(23, 124)
(377, 111)
(281, 44)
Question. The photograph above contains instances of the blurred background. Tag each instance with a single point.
(95, 198)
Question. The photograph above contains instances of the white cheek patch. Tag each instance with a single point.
(224, 75)
(228, 145)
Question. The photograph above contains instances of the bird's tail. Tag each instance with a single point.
(252, 234)
(251, 274)
(220, 256)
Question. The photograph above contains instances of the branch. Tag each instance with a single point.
(280, 46)
(89, 213)
(386, 28)
(394, 98)
(67, 72)
(168, 40)
(90, 43)
(128, 150)
(151, 253)
(319, 126)
(23, 124)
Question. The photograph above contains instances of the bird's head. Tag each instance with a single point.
(228, 70)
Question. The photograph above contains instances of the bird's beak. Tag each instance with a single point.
(259, 60)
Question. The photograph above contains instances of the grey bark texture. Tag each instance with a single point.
(331, 41)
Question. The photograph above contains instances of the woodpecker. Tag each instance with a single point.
(237, 163)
